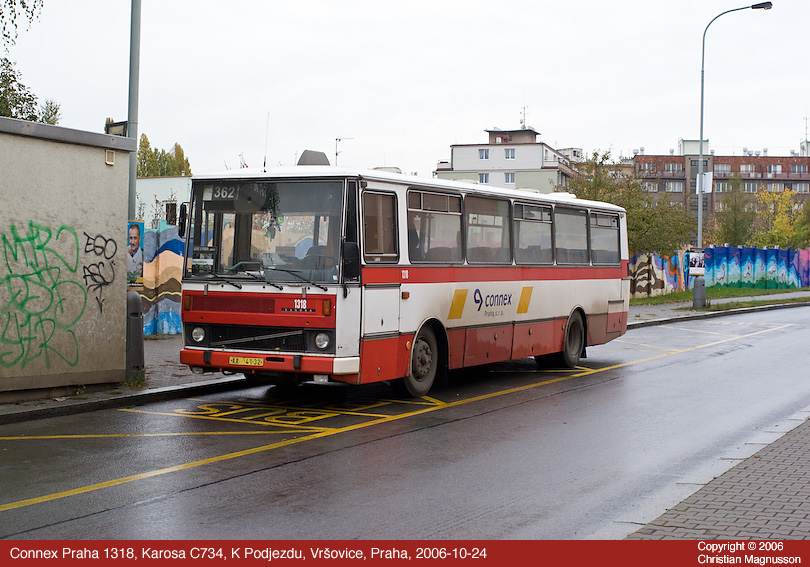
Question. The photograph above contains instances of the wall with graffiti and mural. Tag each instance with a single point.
(738, 266)
(62, 256)
(162, 274)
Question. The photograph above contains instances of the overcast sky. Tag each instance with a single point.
(402, 81)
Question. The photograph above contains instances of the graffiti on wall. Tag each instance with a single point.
(743, 266)
(100, 274)
(653, 275)
(162, 273)
(767, 268)
(41, 299)
(46, 275)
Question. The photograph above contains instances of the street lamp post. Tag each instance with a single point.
(760, 6)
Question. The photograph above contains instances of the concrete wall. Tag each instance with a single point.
(63, 242)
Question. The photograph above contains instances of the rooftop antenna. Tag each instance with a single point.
(523, 119)
(336, 147)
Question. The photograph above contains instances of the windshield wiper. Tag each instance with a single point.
(219, 279)
(255, 277)
(296, 274)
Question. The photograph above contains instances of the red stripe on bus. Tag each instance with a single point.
(457, 274)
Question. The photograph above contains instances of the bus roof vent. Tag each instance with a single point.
(310, 157)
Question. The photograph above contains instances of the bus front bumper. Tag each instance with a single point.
(209, 360)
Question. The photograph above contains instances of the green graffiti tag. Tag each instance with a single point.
(40, 301)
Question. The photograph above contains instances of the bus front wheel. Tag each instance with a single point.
(424, 363)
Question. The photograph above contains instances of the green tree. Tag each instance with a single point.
(13, 10)
(802, 225)
(774, 221)
(160, 163)
(17, 101)
(661, 227)
(736, 220)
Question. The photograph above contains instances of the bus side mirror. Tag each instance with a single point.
(181, 223)
(351, 261)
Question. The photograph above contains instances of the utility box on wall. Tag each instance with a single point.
(63, 245)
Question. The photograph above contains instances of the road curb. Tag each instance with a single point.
(105, 401)
(713, 314)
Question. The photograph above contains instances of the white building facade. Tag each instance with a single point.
(512, 158)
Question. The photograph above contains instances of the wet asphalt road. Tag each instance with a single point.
(511, 451)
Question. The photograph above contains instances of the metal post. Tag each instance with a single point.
(132, 118)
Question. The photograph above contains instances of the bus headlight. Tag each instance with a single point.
(322, 341)
(198, 334)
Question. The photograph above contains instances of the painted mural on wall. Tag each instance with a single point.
(768, 268)
(51, 277)
(653, 275)
(162, 273)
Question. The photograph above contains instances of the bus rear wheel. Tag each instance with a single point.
(574, 342)
(424, 364)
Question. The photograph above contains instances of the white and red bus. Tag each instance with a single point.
(315, 273)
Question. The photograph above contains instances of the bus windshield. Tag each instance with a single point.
(273, 231)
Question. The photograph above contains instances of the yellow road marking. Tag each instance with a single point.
(176, 434)
(320, 434)
(294, 426)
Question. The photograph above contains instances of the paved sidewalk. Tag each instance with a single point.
(766, 496)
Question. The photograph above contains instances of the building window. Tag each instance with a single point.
(722, 168)
(721, 186)
(775, 168)
(645, 166)
(798, 168)
(649, 186)
(673, 167)
(750, 187)
(483, 154)
(801, 187)
(509, 178)
(747, 168)
(775, 187)
(483, 178)
(509, 153)
(674, 186)
(705, 164)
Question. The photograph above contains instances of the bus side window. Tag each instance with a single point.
(571, 236)
(434, 227)
(533, 244)
(380, 227)
(605, 238)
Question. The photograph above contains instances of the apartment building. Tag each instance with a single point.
(513, 159)
(674, 176)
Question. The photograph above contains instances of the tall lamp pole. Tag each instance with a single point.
(760, 6)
